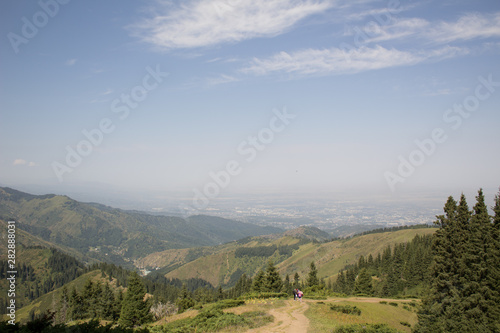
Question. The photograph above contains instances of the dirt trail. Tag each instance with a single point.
(287, 319)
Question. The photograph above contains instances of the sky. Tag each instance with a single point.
(210, 97)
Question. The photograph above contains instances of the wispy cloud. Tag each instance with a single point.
(467, 27)
(336, 61)
(221, 80)
(70, 62)
(207, 22)
(107, 92)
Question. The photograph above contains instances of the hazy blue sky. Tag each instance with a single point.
(285, 95)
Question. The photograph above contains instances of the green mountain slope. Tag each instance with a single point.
(110, 234)
(223, 265)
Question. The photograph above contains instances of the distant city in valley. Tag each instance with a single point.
(326, 211)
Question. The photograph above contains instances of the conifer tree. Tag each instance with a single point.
(464, 295)
(135, 310)
(86, 298)
(77, 306)
(107, 303)
(258, 281)
(296, 281)
(312, 278)
(273, 280)
(185, 301)
(496, 210)
(287, 287)
(363, 283)
(340, 284)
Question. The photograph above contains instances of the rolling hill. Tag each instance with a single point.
(223, 265)
(109, 234)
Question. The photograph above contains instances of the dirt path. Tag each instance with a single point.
(287, 319)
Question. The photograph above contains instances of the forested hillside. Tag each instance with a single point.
(108, 234)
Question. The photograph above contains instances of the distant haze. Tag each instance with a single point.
(203, 101)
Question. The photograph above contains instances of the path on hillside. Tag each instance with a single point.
(287, 319)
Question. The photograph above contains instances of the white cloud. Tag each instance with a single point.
(31, 164)
(467, 27)
(221, 80)
(71, 62)
(335, 61)
(107, 92)
(211, 22)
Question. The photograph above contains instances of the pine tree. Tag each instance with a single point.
(107, 303)
(135, 310)
(185, 301)
(259, 281)
(273, 280)
(363, 284)
(312, 278)
(87, 297)
(464, 295)
(496, 210)
(340, 284)
(287, 287)
(296, 281)
(77, 306)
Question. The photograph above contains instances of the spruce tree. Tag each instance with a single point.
(496, 210)
(464, 294)
(296, 281)
(340, 284)
(287, 287)
(273, 280)
(107, 303)
(363, 284)
(185, 301)
(312, 278)
(135, 310)
(259, 281)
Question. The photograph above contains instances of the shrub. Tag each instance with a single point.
(346, 309)
(224, 304)
(404, 323)
(393, 304)
(383, 302)
(263, 295)
(367, 328)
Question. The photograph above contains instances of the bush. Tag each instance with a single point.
(367, 328)
(383, 302)
(393, 304)
(263, 295)
(404, 323)
(224, 304)
(213, 320)
(346, 309)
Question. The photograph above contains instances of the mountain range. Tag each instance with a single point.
(93, 231)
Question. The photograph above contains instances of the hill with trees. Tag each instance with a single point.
(107, 234)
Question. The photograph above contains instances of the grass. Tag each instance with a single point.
(214, 319)
(323, 319)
